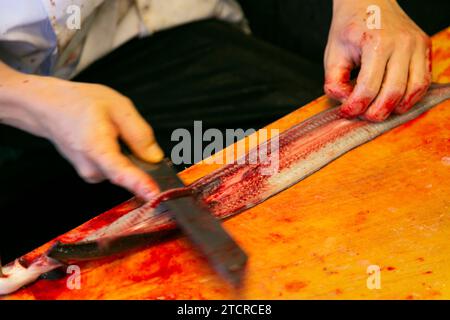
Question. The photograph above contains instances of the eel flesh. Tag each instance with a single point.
(300, 151)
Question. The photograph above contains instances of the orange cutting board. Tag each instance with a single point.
(384, 205)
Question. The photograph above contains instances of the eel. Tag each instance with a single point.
(297, 152)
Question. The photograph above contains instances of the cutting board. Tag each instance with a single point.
(374, 224)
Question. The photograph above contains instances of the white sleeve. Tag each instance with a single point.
(27, 40)
(163, 14)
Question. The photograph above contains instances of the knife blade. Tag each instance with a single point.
(202, 228)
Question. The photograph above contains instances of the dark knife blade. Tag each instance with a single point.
(201, 227)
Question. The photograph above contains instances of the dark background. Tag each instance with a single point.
(301, 26)
(42, 197)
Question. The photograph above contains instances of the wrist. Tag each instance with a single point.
(18, 96)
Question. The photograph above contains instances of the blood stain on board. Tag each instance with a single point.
(295, 286)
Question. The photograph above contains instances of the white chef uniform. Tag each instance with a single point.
(63, 37)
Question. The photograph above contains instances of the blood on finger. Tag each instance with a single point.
(411, 99)
(354, 108)
(338, 85)
(338, 91)
(379, 113)
(366, 37)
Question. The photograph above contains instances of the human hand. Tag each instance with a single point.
(84, 121)
(395, 62)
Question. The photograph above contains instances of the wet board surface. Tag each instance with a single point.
(386, 203)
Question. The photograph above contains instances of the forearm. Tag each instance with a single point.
(15, 94)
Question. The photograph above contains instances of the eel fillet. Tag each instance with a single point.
(299, 152)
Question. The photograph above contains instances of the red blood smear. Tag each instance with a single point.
(356, 107)
(295, 286)
(160, 264)
(390, 268)
(446, 72)
(410, 100)
(170, 194)
(49, 290)
(366, 37)
(441, 54)
(231, 195)
(383, 112)
(340, 89)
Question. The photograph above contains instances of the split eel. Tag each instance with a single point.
(298, 152)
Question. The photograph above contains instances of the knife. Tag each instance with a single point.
(201, 227)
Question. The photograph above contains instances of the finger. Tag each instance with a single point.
(137, 133)
(419, 77)
(121, 171)
(85, 168)
(337, 73)
(373, 65)
(106, 155)
(394, 84)
(89, 171)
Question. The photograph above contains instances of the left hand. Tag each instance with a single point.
(395, 62)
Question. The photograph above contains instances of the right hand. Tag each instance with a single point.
(84, 121)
